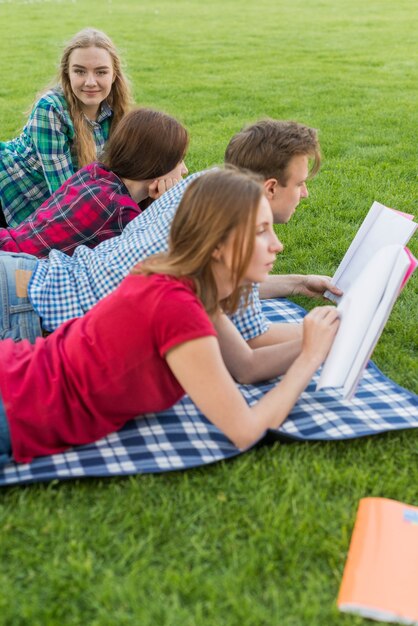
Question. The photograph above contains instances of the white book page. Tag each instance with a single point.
(377, 324)
(363, 310)
(372, 612)
(381, 227)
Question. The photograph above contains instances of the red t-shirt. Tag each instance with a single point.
(97, 372)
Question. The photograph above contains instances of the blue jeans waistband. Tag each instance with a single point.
(18, 320)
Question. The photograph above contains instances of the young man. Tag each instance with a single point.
(38, 296)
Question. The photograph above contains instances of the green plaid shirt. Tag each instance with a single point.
(41, 159)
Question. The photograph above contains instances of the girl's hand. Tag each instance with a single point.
(319, 329)
(160, 186)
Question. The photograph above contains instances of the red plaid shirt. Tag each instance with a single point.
(91, 206)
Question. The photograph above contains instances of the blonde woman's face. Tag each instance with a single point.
(266, 245)
(91, 77)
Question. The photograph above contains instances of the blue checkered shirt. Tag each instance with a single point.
(42, 158)
(64, 287)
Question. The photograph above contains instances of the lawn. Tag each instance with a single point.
(260, 540)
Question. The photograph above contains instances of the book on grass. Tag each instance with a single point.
(371, 275)
(380, 579)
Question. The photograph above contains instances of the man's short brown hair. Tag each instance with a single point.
(268, 146)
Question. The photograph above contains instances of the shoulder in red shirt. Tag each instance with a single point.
(94, 373)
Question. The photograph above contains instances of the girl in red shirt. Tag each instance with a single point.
(164, 332)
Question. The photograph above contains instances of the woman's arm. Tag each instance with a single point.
(51, 138)
(250, 365)
(200, 370)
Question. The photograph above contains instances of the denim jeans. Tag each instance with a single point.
(5, 445)
(18, 319)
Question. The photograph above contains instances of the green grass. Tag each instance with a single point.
(260, 540)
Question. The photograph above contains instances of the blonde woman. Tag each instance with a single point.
(163, 333)
(67, 128)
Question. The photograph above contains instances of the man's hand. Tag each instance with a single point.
(314, 286)
(285, 285)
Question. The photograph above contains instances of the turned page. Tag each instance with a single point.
(364, 310)
(381, 227)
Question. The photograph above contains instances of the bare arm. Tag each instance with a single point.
(284, 285)
(249, 365)
(276, 334)
(199, 368)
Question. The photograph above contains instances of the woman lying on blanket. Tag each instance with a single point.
(163, 333)
(143, 158)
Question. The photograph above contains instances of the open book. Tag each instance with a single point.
(381, 227)
(371, 274)
(380, 579)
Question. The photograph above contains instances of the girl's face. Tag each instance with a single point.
(178, 172)
(266, 245)
(91, 77)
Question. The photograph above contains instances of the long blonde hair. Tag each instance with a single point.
(213, 206)
(119, 98)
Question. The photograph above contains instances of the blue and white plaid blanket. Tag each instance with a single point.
(181, 437)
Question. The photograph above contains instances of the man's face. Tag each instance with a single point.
(284, 200)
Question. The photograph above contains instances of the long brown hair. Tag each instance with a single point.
(145, 144)
(119, 98)
(213, 206)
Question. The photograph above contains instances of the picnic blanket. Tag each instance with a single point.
(181, 437)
